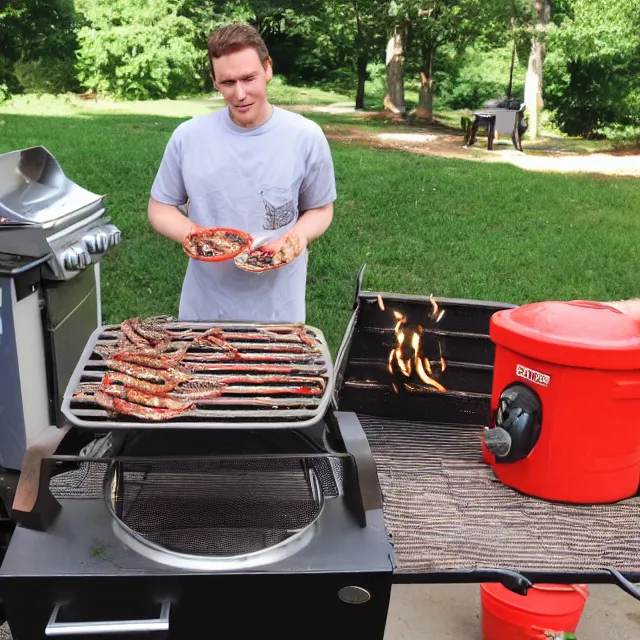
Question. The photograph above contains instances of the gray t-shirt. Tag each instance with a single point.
(255, 180)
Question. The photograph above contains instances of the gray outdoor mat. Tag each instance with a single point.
(445, 510)
(85, 482)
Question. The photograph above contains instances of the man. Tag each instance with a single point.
(253, 167)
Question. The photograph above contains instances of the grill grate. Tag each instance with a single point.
(271, 377)
(220, 507)
(446, 511)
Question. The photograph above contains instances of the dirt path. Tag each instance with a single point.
(442, 141)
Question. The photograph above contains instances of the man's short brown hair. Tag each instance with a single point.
(235, 37)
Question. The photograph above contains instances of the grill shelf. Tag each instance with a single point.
(446, 512)
(242, 404)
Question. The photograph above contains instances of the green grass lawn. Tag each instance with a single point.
(422, 224)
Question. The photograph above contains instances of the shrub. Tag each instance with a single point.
(45, 76)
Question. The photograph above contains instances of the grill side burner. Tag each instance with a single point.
(446, 511)
(449, 518)
(365, 385)
(273, 382)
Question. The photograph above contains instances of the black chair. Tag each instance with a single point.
(486, 121)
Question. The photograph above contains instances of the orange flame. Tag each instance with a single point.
(380, 302)
(414, 361)
(434, 304)
(427, 379)
(437, 314)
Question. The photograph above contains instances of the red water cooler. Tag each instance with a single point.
(566, 402)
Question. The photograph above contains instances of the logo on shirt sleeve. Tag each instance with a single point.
(277, 217)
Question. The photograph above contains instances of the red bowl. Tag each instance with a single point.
(210, 231)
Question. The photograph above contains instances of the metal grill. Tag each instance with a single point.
(271, 377)
(219, 508)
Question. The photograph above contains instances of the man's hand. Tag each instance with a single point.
(297, 241)
(628, 307)
(310, 226)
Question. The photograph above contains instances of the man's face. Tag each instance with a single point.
(242, 80)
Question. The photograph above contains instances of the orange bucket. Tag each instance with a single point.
(546, 607)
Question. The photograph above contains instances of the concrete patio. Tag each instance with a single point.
(448, 612)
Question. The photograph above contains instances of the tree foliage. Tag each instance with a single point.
(39, 34)
(594, 66)
(137, 48)
(459, 52)
(451, 25)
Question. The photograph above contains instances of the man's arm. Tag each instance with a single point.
(314, 222)
(167, 220)
(628, 307)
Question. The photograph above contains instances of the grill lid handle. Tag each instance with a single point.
(110, 627)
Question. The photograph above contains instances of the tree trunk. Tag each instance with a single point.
(362, 75)
(533, 82)
(394, 100)
(513, 63)
(425, 100)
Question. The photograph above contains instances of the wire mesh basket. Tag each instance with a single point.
(218, 512)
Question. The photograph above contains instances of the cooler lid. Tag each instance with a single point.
(577, 333)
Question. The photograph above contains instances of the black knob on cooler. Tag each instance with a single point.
(519, 416)
(497, 441)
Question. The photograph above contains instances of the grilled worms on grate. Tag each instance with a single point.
(147, 399)
(140, 385)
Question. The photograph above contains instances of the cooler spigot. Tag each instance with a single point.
(498, 441)
(518, 420)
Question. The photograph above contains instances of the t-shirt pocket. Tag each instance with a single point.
(279, 207)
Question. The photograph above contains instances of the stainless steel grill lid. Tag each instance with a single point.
(43, 211)
(222, 514)
(273, 383)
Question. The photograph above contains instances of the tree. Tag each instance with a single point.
(368, 19)
(452, 22)
(394, 98)
(533, 83)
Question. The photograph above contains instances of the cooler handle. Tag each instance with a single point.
(627, 390)
(55, 628)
